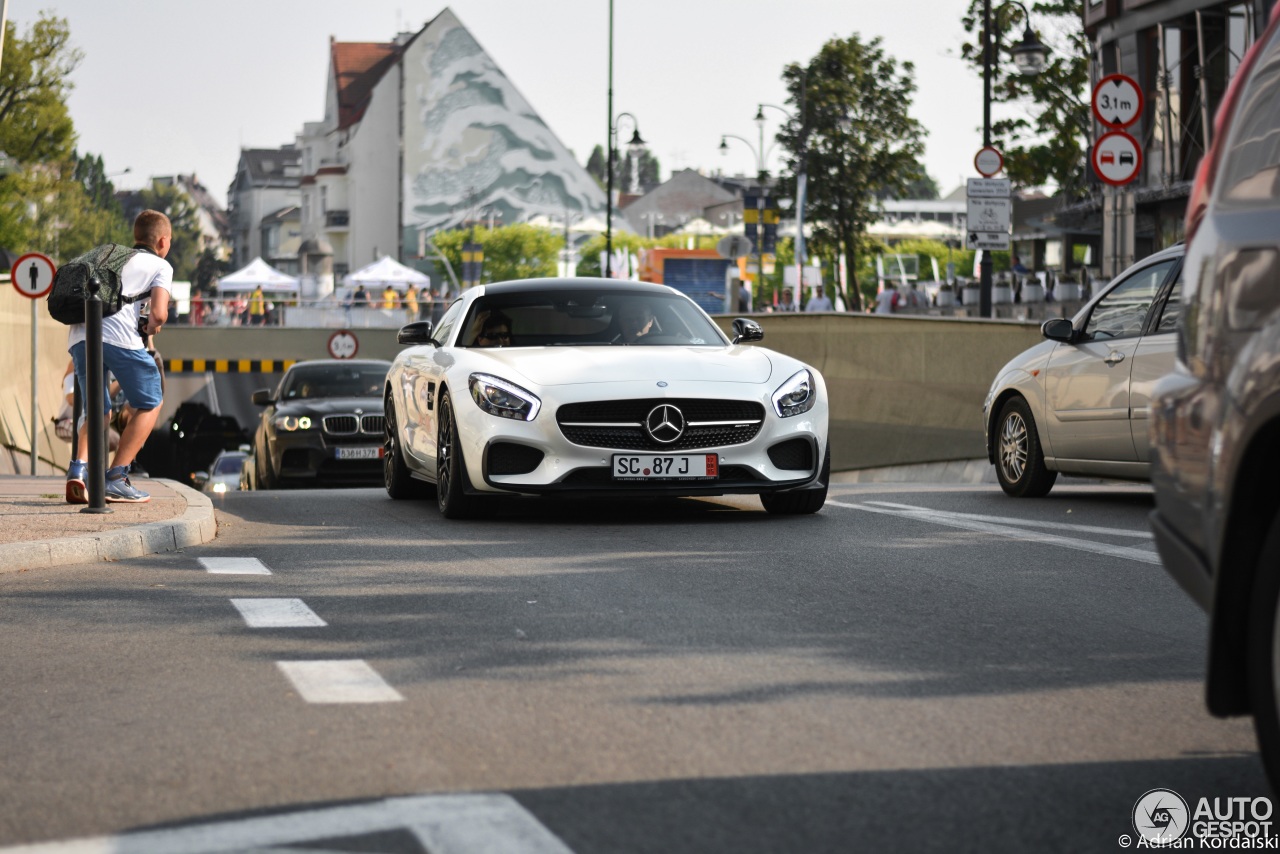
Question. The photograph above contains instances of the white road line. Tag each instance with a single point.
(348, 681)
(277, 613)
(234, 566)
(1031, 523)
(443, 824)
(953, 520)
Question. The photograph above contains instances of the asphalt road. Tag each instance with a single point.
(914, 668)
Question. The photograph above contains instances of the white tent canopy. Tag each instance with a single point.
(386, 271)
(258, 272)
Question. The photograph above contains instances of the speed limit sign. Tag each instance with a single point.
(343, 344)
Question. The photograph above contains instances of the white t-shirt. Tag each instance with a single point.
(143, 272)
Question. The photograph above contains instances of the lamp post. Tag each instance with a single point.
(1029, 58)
(634, 144)
(801, 181)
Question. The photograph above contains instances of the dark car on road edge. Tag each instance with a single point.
(1215, 426)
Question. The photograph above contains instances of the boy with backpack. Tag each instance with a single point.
(144, 275)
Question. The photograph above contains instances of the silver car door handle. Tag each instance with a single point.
(1115, 357)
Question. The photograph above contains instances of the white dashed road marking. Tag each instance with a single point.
(960, 520)
(1031, 523)
(350, 681)
(443, 824)
(277, 613)
(234, 566)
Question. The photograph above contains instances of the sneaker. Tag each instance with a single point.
(76, 491)
(120, 490)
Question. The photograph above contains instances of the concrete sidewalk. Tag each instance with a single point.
(39, 529)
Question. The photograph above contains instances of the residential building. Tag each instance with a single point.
(267, 181)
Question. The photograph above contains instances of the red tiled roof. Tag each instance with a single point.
(357, 68)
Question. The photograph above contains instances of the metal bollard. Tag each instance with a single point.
(96, 477)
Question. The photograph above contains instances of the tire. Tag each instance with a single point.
(396, 477)
(451, 474)
(1020, 464)
(1264, 654)
(801, 502)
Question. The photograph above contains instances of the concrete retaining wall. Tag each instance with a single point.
(904, 390)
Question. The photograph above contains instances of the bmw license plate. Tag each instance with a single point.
(665, 467)
(373, 453)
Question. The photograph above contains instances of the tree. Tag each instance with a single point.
(92, 175)
(35, 79)
(1049, 141)
(855, 138)
(208, 268)
(519, 251)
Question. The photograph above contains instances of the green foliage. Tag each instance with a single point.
(645, 170)
(92, 175)
(43, 208)
(854, 138)
(209, 268)
(35, 79)
(519, 251)
(1048, 140)
(171, 201)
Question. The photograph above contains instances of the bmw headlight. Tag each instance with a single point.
(290, 423)
(504, 399)
(796, 396)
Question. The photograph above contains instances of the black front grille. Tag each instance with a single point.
(374, 424)
(792, 455)
(510, 458)
(619, 424)
(340, 425)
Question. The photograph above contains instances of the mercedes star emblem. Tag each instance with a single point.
(665, 423)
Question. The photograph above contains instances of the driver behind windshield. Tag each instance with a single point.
(636, 320)
(495, 330)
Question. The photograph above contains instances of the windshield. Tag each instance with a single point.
(228, 465)
(335, 380)
(587, 318)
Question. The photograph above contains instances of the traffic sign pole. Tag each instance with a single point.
(32, 276)
(35, 378)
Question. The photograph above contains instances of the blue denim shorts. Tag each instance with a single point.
(135, 370)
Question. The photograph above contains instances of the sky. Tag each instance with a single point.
(181, 86)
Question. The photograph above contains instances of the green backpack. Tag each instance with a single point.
(71, 283)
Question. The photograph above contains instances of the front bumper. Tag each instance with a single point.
(310, 457)
(1183, 561)
(564, 468)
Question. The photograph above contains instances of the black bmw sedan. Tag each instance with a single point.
(322, 426)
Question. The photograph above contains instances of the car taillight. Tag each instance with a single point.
(1207, 171)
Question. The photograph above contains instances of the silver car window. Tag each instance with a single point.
(1172, 310)
(1123, 311)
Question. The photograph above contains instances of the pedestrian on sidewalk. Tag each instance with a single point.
(124, 353)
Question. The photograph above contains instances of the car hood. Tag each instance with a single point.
(552, 366)
(329, 405)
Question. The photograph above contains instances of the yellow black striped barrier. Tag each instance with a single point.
(227, 366)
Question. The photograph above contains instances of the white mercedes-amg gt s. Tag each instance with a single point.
(593, 387)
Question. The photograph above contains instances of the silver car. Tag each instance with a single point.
(1078, 403)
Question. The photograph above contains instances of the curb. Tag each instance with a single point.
(194, 527)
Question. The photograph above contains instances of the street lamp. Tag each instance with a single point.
(1029, 58)
(635, 144)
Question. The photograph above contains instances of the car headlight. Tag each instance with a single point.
(290, 423)
(503, 399)
(219, 487)
(797, 395)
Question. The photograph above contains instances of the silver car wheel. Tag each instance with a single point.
(1014, 447)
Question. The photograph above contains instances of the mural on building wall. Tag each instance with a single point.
(474, 147)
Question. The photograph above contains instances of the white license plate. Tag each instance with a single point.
(665, 466)
(359, 453)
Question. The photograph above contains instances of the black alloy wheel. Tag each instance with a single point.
(397, 478)
(266, 478)
(1020, 464)
(1264, 653)
(451, 472)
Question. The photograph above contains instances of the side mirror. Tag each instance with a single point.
(262, 397)
(746, 330)
(1059, 329)
(200, 478)
(418, 332)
